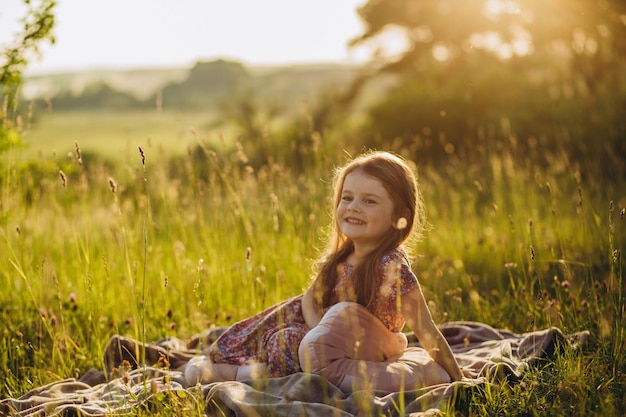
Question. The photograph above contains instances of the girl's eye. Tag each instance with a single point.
(370, 201)
(346, 198)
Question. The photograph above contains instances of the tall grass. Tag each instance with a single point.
(153, 245)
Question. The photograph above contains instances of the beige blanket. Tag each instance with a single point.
(139, 375)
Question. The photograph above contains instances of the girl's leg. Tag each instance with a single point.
(353, 350)
(282, 350)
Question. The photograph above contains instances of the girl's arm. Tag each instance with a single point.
(416, 312)
(310, 310)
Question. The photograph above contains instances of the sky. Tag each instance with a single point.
(92, 34)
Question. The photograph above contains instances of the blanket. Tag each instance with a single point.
(151, 374)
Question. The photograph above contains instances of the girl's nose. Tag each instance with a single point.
(354, 207)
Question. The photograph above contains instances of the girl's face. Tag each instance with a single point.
(365, 210)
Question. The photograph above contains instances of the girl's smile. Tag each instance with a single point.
(365, 211)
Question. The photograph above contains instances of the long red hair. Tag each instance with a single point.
(401, 184)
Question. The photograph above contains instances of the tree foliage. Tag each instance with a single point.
(207, 84)
(38, 24)
(541, 71)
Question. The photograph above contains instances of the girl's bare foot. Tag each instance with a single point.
(200, 370)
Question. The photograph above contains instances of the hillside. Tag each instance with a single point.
(281, 83)
(140, 82)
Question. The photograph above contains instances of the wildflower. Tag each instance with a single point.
(125, 366)
(126, 378)
(565, 284)
(402, 223)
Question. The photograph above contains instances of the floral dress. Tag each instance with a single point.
(274, 335)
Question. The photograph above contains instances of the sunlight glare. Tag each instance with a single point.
(423, 34)
(441, 52)
(522, 47)
(492, 41)
(496, 8)
(504, 51)
(391, 43)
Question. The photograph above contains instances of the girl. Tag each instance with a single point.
(348, 323)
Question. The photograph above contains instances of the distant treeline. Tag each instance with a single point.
(210, 85)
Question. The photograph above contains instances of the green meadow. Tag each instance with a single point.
(153, 224)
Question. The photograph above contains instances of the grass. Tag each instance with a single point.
(111, 134)
(161, 241)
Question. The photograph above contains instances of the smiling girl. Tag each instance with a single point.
(348, 325)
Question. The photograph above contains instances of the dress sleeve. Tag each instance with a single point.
(408, 280)
(397, 280)
(397, 274)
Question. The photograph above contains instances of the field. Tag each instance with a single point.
(143, 224)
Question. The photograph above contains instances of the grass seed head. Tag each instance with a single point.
(79, 157)
(143, 156)
(63, 178)
(112, 185)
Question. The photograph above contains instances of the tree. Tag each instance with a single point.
(208, 84)
(541, 66)
(38, 24)
(590, 34)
